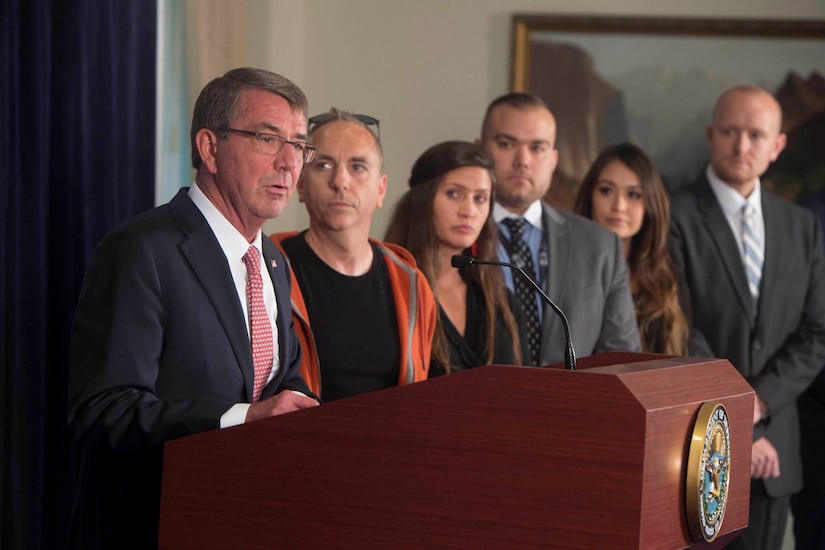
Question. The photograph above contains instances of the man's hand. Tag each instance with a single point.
(760, 410)
(284, 402)
(764, 460)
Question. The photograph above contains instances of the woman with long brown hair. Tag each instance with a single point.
(623, 192)
(447, 211)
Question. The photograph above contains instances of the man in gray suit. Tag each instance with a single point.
(579, 264)
(755, 268)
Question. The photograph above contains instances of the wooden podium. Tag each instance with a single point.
(494, 457)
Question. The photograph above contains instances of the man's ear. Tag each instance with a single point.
(779, 146)
(207, 144)
(299, 187)
(382, 190)
(554, 161)
(709, 133)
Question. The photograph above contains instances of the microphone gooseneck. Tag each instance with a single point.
(459, 261)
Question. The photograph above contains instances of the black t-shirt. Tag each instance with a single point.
(353, 321)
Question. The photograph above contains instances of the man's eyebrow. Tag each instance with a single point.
(272, 129)
(357, 158)
(514, 139)
(269, 128)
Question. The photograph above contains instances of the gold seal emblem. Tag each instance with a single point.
(708, 474)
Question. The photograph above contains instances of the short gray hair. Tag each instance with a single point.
(218, 101)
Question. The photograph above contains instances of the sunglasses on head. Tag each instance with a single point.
(367, 120)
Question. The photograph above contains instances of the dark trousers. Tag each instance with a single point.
(766, 521)
(809, 520)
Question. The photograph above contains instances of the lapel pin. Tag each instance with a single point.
(274, 264)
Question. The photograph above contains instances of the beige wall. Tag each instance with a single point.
(427, 68)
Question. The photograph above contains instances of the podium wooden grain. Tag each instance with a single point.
(495, 457)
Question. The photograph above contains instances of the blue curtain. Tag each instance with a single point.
(77, 105)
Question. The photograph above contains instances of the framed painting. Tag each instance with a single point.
(653, 82)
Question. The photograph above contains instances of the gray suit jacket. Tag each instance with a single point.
(159, 350)
(781, 348)
(587, 278)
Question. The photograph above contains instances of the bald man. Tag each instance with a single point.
(363, 312)
(578, 263)
(755, 268)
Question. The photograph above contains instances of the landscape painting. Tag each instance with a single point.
(654, 81)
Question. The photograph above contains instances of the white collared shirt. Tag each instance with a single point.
(731, 203)
(234, 246)
(532, 214)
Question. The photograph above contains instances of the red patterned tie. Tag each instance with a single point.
(260, 325)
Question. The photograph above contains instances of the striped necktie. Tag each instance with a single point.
(752, 249)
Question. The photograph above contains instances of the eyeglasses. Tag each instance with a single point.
(367, 120)
(272, 144)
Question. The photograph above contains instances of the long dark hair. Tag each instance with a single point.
(412, 227)
(653, 282)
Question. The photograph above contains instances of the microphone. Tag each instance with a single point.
(569, 353)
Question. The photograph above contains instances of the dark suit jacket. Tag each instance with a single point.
(159, 350)
(812, 424)
(587, 278)
(780, 349)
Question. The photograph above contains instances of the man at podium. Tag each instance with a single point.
(183, 323)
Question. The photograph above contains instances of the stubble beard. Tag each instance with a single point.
(519, 198)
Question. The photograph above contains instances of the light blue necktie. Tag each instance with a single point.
(753, 252)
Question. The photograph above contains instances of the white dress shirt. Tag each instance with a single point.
(234, 246)
(731, 202)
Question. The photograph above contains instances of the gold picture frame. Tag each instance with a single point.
(552, 54)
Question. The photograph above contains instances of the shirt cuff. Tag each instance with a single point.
(235, 416)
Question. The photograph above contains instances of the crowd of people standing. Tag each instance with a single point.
(191, 319)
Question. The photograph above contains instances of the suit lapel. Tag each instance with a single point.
(558, 244)
(774, 238)
(719, 231)
(276, 266)
(558, 241)
(208, 262)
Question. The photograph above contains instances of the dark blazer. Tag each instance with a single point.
(779, 348)
(812, 424)
(159, 350)
(587, 277)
